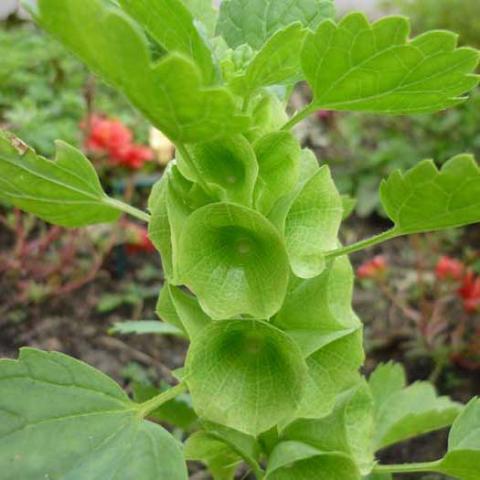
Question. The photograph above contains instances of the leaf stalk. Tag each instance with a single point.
(125, 207)
(298, 117)
(363, 244)
(150, 405)
(409, 467)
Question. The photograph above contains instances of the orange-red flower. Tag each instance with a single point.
(374, 268)
(111, 137)
(470, 292)
(449, 269)
(137, 239)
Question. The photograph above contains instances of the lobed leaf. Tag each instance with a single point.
(463, 457)
(227, 255)
(171, 93)
(403, 412)
(426, 199)
(244, 374)
(359, 66)
(171, 24)
(64, 192)
(297, 461)
(75, 422)
(253, 22)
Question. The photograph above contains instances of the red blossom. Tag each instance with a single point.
(138, 240)
(112, 138)
(374, 268)
(470, 292)
(449, 269)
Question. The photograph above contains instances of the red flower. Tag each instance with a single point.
(470, 292)
(138, 240)
(449, 269)
(107, 135)
(114, 139)
(131, 156)
(374, 268)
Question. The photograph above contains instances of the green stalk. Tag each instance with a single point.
(409, 467)
(149, 406)
(298, 117)
(363, 244)
(125, 207)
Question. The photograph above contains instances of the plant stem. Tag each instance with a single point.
(125, 207)
(298, 117)
(363, 244)
(408, 468)
(155, 402)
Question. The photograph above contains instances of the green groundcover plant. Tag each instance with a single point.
(247, 226)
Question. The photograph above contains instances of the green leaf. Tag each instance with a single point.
(318, 315)
(312, 224)
(166, 310)
(244, 374)
(463, 457)
(171, 202)
(268, 114)
(278, 157)
(426, 199)
(229, 254)
(348, 429)
(65, 192)
(187, 310)
(159, 230)
(245, 445)
(254, 21)
(332, 369)
(204, 12)
(277, 63)
(229, 168)
(76, 423)
(177, 412)
(297, 461)
(170, 93)
(403, 412)
(320, 306)
(349, 203)
(360, 66)
(171, 24)
(221, 460)
(143, 327)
